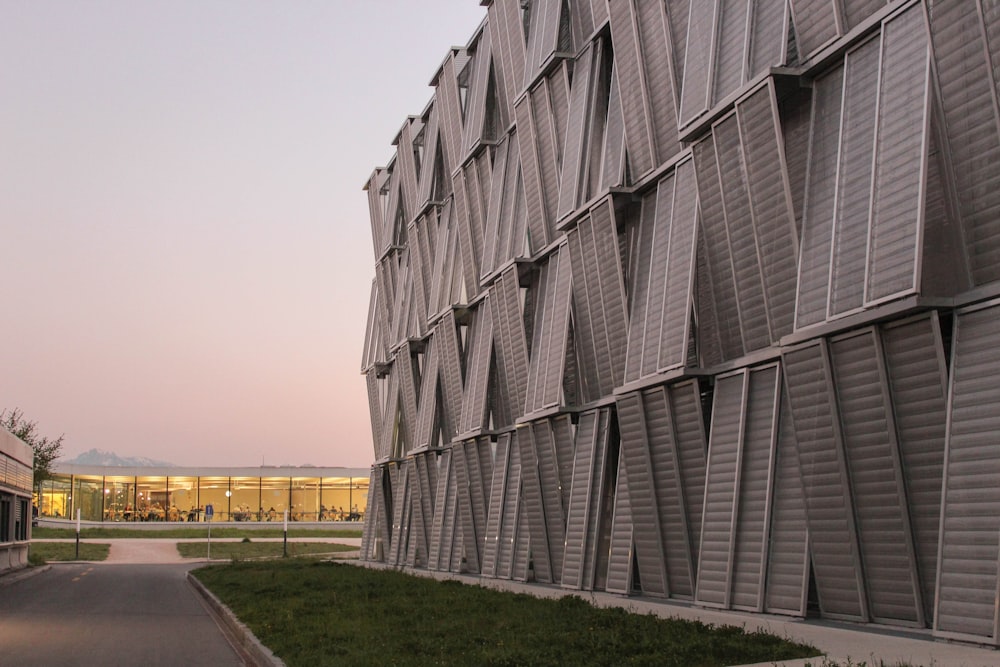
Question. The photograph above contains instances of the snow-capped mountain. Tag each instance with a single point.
(96, 457)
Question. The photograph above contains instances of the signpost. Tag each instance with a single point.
(209, 512)
(78, 533)
(285, 547)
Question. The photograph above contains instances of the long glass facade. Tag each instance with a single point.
(184, 494)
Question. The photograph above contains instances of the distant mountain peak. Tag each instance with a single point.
(97, 457)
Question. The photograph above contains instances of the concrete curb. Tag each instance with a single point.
(21, 574)
(245, 641)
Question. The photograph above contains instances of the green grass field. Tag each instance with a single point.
(243, 550)
(312, 612)
(40, 553)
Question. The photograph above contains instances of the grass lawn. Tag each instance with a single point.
(312, 612)
(241, 550)
(188, 533)
(40, 553)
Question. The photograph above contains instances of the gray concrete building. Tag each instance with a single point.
(699, 300)
(16, 470)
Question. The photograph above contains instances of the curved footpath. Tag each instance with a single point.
(842, 643)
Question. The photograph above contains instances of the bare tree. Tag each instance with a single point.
(46, 450)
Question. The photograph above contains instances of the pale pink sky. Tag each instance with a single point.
(185, 254)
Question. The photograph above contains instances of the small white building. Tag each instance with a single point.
(16, 459)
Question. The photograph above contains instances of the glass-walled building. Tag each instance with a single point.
(183, 494)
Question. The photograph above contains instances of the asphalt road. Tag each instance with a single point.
(109, 614)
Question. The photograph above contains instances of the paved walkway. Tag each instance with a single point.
(841, 642)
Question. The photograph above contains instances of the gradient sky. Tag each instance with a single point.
(185, 250)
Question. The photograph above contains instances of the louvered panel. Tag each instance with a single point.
(717, 256)
(427, 407)
(505, 22)
(449, 111)
(964, 77)
(426, 507)
(479, 473)
(386, 290)
(718, 528)
(538, 361)
(408, 394)
(795, 113)
(583, 320)
(547, 140)
(677, 29)
(499, 407)
(477, 374)
(970, 521)
(768, 35)
(534, 191)
(731, 53)
(466, 503)
(385, 516)
(612, 305)
(640, 279)
(368, 533)
(876, 480)
(406, 166)
(440, 543)
(578, 509)
(430, 163)
(451, 544)
(543, 37)
(856, 11)
(918, 385)
(558, 315)
(400, 503)
(788, 550)
(478, 191)
(679, 271)
(574, 149)
(656, 279)
(534, 505)
(424, 264)
(773, 217)
(375, 213)
(518, 360)
(659, 78)
(620, 553)
(445, 254)
(707, 346)
(552, 438)
(374, 410)
(669, 493)
(559, 104)
(512, 214)
(695, 83)
(900, 162)
(395, 216)
(756, 478)
(854, 180)
(689, 429)
(522, 541)
(598, 541)
(644, 510)
(817, 218)
(510, 527)
(634, 92)
(390, 417)
(412, 545)
(463, 225)
(475, 111)
(447, 347)
(754, 325)
(832, 534)
(815, 24)
(496, 508)
(613, 165)
(494, 212)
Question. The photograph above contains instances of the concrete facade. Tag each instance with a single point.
(16, 472)
(699, 301)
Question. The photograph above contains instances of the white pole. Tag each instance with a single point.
(77, 520)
